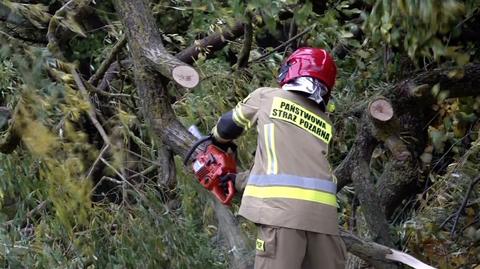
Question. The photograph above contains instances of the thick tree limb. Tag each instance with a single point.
(207, 46)
(386, 127)
(397, 181)
(343, 172)
(210, 44)
(369, 251)
(166, 169)
(148, 43)
(247, 43)
(457, 82)
(156, 108)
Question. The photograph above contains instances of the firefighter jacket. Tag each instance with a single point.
(291, 183)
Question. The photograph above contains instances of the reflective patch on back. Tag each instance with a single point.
(260, 245)
(289, 111)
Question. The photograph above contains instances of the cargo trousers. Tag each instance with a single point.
(284, 248)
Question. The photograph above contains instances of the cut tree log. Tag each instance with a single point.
(386, 127)
(380, 109)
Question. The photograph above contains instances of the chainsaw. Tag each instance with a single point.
(215, 168)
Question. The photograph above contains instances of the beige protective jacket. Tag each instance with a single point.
(291, 183)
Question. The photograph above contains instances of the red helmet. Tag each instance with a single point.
(311, 62)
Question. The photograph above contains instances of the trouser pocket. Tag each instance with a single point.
(266, 243)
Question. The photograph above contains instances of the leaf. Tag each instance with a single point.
(435, 89)
(456, 73)
(438, 138)
(363, 54)
(346, 34)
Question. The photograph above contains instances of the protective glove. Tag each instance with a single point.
(225, 179)
(224, 146)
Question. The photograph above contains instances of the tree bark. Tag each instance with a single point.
(211, 43)
(365, 187)
(138, 22)
(143, 37)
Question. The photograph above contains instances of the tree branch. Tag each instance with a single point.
(464, 203)
(210, 44)
(91, 111)
(281, 46)
(108, 60)
(247, 43)
(112, 73)
(456, 82)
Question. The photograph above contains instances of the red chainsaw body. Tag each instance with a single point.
(210, 166)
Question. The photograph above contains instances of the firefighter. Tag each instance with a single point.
(291, 192)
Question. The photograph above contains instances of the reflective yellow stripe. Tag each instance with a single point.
(274, 153)
(241, 117)
(267, 149)
(237, 120)
(272, 166)
(291, 193)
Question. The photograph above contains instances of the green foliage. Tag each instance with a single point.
(45, 197)
(419, 27)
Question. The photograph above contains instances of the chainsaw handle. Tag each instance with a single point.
(204, 139)
(195, 146)
(224, 197)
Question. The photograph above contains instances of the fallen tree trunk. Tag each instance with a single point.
(155, 102)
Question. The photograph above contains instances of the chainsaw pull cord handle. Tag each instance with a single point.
(195, 146)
